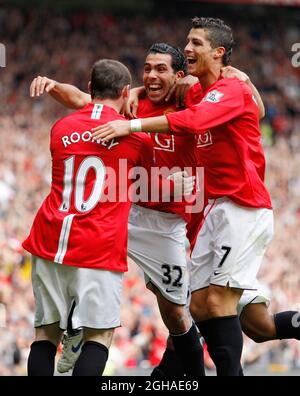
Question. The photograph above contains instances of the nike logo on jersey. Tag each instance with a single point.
(217, 273)
(171, 290)
(75, 348)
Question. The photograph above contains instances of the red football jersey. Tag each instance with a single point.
(75, 224)
(169, 151)
(227, 124)
(194, 95)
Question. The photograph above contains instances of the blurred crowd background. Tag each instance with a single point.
(63, 44)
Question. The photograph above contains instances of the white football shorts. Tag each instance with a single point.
(262, 295)
(156, 242)
(97, 294)
(230, 245)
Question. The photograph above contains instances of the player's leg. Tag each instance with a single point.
(94, 352)
(183, 334)
(97, 294)
(220, 327)
(49, 309)
(209, 309)
(170, 364)
(259, 325)
(41, 358)
(157, 244)
(237, 237)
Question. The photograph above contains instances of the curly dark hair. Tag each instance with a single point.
(218, 33)
(179, 62)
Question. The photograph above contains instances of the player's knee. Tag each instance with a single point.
(198, 310)
(177, 320)
(101, 336)
(214, 305)
(50, 333)
(220, 303)
(266, 331)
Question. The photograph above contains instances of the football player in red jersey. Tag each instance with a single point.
(157, 230)
(73, 236)
(239, 217)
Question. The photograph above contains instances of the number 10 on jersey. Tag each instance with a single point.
(78, 184)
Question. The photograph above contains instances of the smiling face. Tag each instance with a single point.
(200, 55)
(159, 76)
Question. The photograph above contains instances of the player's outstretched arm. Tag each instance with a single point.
(66, 94)
(217, 108)
(231, 72)
(119, 128)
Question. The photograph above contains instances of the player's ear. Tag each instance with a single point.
(179, 74)
(219, 52)
(89, 87)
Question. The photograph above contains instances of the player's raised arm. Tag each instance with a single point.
(66, 94)
(233, 72)
(260, 103)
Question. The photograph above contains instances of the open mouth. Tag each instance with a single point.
(154, 88)
(191, 61)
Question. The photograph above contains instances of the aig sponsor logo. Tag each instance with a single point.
(164, 143)
(204, 139)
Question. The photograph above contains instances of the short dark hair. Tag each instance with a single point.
(218, 33)
(179, 62)
(108, 78)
